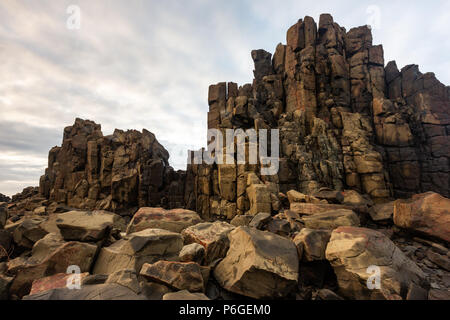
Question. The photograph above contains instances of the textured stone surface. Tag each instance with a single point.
(259, 264)
(427, 213)
(351, 251)
(158, 218)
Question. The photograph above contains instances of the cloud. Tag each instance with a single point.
(148, 64)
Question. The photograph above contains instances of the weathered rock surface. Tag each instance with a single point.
(116, 172)
(131, 252)
(184, 295)
(50, 255)
(109, 291)
(312, 244)
(427, 213)
(351, 251)
(4, 198)
(332, 219)
(211, 235)
(176, 275)
(194, 252)
(175, 220)
(87, 226)
(59, 280)
(258, 264)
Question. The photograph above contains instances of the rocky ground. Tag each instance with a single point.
(319, 247)
(362, 191)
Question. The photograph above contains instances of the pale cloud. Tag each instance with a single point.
(148, 64)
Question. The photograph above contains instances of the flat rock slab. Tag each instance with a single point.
(211, 235)
(86, 225)
(59, 280)
(258, 264)
(332, 219)
(176, 275)
(315, 208)
(135, 249)
(175, 220)
(108, 291)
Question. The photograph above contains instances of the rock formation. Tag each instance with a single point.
(359, 208)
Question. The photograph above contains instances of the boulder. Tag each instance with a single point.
(258, 264)
(295, 196)
(126, 278)
(312, 243)
(241, 220)
(175, 220)
(50, 255)
(88, 226)
(211, 235)
(357, 253)
(107, 291)
(382, 211)
(332, 196)
(260, 220)
(427, 213)
(184, 295)
(55, 281)
(27, 231)
(131, 252)
(194, 252)
(331, 219)
(176, 275)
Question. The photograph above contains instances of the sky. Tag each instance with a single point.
(138, 64)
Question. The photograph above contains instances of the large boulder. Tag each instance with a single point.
(131, 252)
(331, 219)
(382, 211)
(357, 253)
(87, 226)
(50, 255)
(27, 231)
(175, 220)
(312, 244)
(258, 264)
(427, 213)
(177, 275)
(212, 235)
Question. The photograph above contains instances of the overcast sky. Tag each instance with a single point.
(148, 64)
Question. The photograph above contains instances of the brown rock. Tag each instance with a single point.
(175, 220)
(312, 243)
(212, 236)
(427, 213)
(259, 264)
(331, 219)
(176, 275)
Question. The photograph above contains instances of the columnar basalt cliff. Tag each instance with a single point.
(346, 121)
(127, 169)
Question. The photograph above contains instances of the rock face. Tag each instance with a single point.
(354, 251)
(251, 269)
(346, 121)
(427, 213)
(4, 198)
(116, 172)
